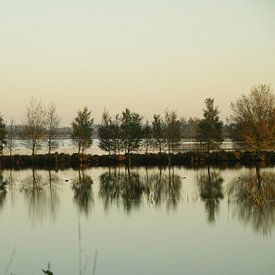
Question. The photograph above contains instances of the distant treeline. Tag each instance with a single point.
(187, 128)
(252, 124)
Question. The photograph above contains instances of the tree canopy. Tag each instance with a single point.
(159, 132)
(253, 119)
(131, 131)
(109, 133)
(82, 130)
(2, 133)
(172, 130)
(210, 127)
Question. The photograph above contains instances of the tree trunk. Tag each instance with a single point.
(50, 146)
(79, 146)
(33, 147)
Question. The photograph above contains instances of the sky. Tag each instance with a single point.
(147, 55)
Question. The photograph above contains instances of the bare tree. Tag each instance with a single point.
(11, 136)
(35, 128)
(52, 123)
(253, 119)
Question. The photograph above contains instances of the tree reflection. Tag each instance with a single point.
(162, 187)
(128, 187)
(3, 192)
(211, 191)
(53, 181)
(132, 189)
(253, 195)
(12, 187)
(82, 187)
(41, 194)
(121, 185)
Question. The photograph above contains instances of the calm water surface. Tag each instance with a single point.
(138, 221)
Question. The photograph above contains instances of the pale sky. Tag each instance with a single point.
(148, 55)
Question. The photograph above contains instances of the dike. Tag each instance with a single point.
(193, 159)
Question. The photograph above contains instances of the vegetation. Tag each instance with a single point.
(158, 133)
(253, 119)
(35, 127)
(11, 135)
(131, 131)
(172, 130)
(82, 130)
(147, 137)
(2, 133)
(105, 133)
(109, 133)
(52, 123)
(252, 124)
(210, 127)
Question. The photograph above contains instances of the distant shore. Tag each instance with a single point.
(63, 161)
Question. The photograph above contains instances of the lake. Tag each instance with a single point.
(138, 221)
(65, 145)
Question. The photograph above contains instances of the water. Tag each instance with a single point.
(65, 145)
(138, 221)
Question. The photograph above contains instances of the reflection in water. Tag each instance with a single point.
(41, 196)
(211, 191)
(162, 187)
(3, 192)
(82, 187)
(120, 185)
(253, 195)
(11, 187)
(126, 186)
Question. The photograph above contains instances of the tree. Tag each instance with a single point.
(158, 132)
(190, 127)
(11, 136)
(147, 136)
(52, 123)
(131, 131)
(172, 130)
(253, 119)
(35, 129)
(116, 134)
(105, 133)
(82, 130)
(210, 127)
(109, 133)
(2, 133)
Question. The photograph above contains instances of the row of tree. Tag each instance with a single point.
(41, 124)
(252, 123)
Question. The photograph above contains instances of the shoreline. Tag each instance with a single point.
(188, 159)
